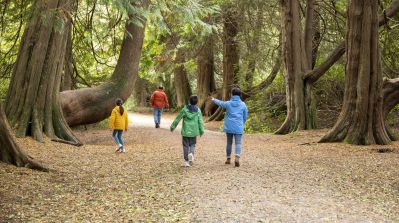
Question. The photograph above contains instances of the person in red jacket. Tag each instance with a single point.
(159, 100)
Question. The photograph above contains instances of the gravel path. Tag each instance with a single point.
(282, 179)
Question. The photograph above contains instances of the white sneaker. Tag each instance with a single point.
(186, 164)
(191, 158)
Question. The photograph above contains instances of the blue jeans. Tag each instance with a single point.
(157, 112)
(117, 135)
(188, 146)
(230, 144)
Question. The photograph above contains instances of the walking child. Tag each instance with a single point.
(236, 116)
(193, 125)
(118, 121)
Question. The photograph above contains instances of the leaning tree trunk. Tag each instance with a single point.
(362, 117)
(206, 72)
(391, 99)
(230, 57)
(9, 150)
(33, 98)
(181, 83)
(91, 105)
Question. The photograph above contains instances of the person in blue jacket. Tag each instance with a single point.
(234, 120)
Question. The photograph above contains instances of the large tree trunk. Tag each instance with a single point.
(230, 57)
(206, 71)
(10, 151)
(296, 49)
(362, 117)
(311, 74)
(91, 105)
(141, 92)
(33, 99)
(181, 83)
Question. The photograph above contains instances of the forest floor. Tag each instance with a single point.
(282, 179)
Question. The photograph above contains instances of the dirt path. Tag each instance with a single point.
(282, 179)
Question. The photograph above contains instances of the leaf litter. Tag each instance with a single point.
(282, 179)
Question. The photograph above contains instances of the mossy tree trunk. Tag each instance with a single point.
(10, 152)
(297, 52)
(361, 120)
(181, 83)
(230, 57)
(91, 105)
(206, 72)
(33, 106)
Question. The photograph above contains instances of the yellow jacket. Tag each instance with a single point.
(118, 121)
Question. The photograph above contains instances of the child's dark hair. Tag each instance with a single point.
(193, 100)
(160, 88)
(236, 91)
(119, 102)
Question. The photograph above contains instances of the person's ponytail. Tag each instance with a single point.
(119, 102)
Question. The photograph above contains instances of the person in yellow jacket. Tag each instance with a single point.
(118, 121)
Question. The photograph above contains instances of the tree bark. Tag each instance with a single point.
(391, 94)
(296, 56)
(9, 150)
(91, 105)
(33, 106)
(67, 76)
(361, 120)
(206, 72)
(181, 83)
(141, 92)
(230, 51)
(315, 74)
(230, 57)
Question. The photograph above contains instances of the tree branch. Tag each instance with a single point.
(391, 94)
(315, 74)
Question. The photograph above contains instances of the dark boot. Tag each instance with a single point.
(156, 125)
(237, 161)
(228, 161)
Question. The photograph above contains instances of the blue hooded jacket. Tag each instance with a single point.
(236, 114)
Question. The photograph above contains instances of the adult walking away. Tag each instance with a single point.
(159, 101)
(236, 116)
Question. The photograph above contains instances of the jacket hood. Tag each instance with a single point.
(189, 113)
(235, 101)
(192, 108)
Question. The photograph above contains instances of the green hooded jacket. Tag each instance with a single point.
(193, 125)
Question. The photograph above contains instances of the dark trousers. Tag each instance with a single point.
(188, 146)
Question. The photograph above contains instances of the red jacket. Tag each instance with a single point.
(159, 99)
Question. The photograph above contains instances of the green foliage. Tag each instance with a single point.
(267, 109)
(13, 17)
(4, 88)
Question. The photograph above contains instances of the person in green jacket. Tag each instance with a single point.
(193, 126)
